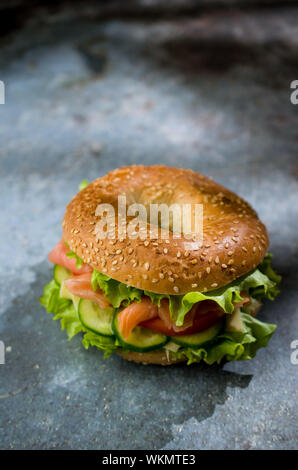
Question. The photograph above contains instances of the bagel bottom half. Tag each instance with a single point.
(154, 357)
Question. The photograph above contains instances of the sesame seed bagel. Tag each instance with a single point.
(234, 239)
(155, 357)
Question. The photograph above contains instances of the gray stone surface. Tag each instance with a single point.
(82, 97)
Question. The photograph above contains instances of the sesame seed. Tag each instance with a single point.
(178, 254)
(230, 253)
(208, 269)
(227, 245)
(244, 249)
(194, 286)
(118, 252)
(224, 266)
(154, 280)
(145, 276)
(254, 249)
(171, 279)
(176, 289)
(146, 243)
(230, 262)
(161, 275)
(186, 254)
(115, 262)
(165, 250)
(214, 284)
(194, 261)
(217, 260)
(147, 266)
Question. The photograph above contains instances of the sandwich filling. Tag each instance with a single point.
(209, 326)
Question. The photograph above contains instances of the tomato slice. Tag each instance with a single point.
(201, 322)
(207, 314)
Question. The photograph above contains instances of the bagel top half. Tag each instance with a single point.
(234, 239)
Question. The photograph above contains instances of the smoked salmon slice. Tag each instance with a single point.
(80, 285)
(58, 256)
(134, 314)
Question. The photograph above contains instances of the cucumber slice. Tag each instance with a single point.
(61, 273)
(199, 339)
(95, 318)
(140, 339)
(66, 294)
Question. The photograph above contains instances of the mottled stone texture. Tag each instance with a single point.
(84, 96)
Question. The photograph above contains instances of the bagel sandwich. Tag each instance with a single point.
(154, 294)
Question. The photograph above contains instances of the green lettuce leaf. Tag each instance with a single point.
(51, 299)
(232, 346)
(108, 345)
(79, 261)
(116, 292)
(262, 282)
(83, 184)
(266, 268)
(72, 254)
(63, 310)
